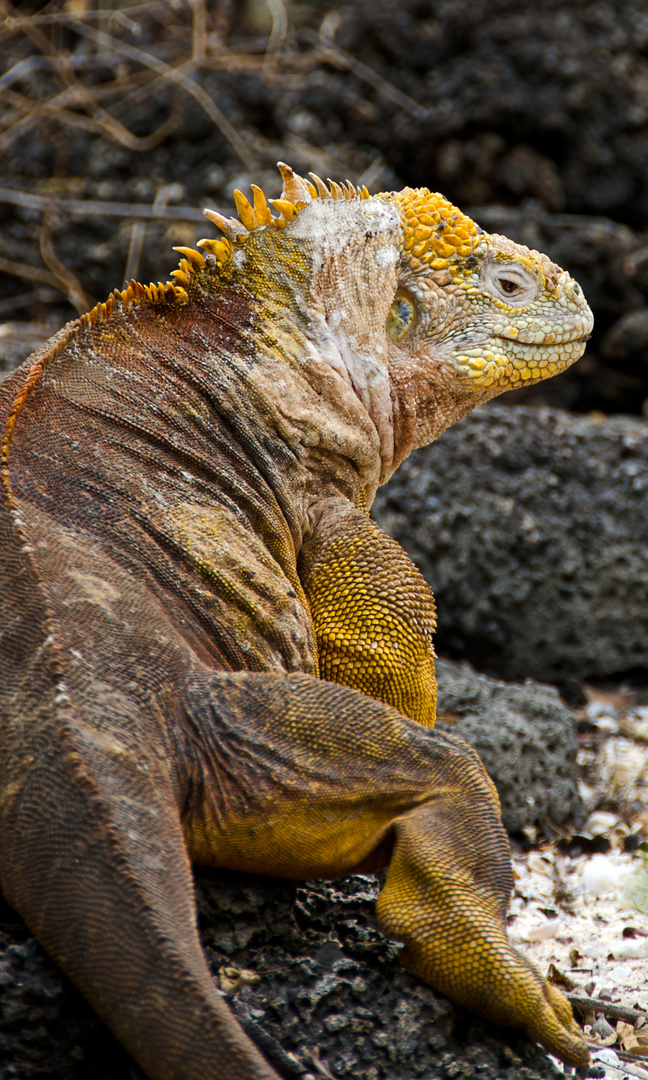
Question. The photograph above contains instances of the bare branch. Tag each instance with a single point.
(176, 75)
(33, 273)
(88, 207)
(615, 1012)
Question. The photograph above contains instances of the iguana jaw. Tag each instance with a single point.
(445, 381)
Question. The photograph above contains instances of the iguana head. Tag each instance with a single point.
(423, 313)
(499, 314)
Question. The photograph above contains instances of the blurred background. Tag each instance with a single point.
(120, 122)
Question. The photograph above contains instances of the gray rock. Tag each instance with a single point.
(627, 336)
(526, 738)
(531, 526)
(331, 996)
(602, 1028)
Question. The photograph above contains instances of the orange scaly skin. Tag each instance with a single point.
(207, 649)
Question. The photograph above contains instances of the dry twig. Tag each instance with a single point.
(100, 123)
(68, 281)
(278, 32)
(33, 273)
(174, 74)
(89, 207)
(615, 1012)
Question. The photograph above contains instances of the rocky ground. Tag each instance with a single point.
(116, 128)
(310, 978)
(580, 903)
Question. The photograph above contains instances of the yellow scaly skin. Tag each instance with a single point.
(209, 651)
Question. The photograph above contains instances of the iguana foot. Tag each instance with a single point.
(443, 899)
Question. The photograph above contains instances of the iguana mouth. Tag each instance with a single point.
(580, 339)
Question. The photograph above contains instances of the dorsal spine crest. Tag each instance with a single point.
(298, 193)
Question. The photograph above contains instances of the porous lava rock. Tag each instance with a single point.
(331, 995)
(531, 526)
(526, 738)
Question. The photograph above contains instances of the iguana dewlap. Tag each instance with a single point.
(209, 651)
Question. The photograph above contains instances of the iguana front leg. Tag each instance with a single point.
(329, 782)
(372, 610)
(374, 618)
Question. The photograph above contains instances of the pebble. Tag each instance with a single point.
(599, 875)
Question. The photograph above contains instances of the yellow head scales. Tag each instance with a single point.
(437, 235)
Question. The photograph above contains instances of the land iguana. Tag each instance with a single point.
(209, 651)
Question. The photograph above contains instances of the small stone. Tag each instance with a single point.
(599, 875)
(602, 1028)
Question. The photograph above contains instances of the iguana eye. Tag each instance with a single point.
(510, 281)
(401, 318)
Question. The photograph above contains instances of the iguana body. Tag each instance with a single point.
(185, 549)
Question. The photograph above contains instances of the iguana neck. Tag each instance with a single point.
(311, 387)
(345, 392)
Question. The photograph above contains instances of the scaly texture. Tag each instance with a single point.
(369, 634)
(185, 549)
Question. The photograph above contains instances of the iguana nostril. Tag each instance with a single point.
(573, 290)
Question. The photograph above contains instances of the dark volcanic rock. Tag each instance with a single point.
(531, 526)
(526, 738)
(331, 990)
(518, 99)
